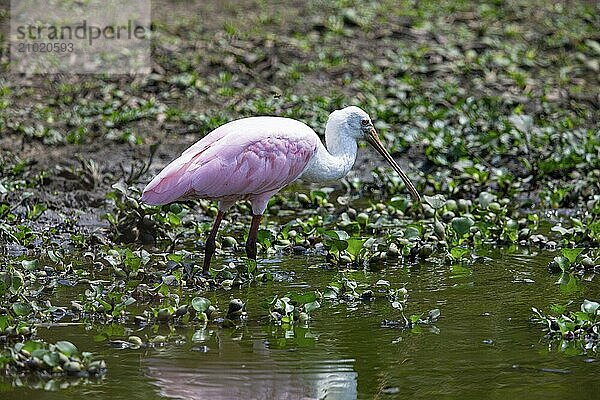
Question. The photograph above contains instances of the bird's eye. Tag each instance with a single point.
(365, 122)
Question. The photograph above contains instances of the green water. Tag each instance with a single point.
(483, 346)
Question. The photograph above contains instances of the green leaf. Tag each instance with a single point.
(461, 225)
(30, 265)
(590, 307)
(303, 298)
(32, 345)
(434, 314)
(67, 348)
(336, 239)
(310, 307)
(120, 186)
(285, 304)
(414, 318)
(331, 292)
(486, 198)
(337, 234)
(175, 208)
(399, 203)
(581, 316)
(563, 263)
(458, 252)
(412, 232)
(21, 309)
(558, 308)
(200, 304)
(355, 246)
(250, 265)
(569, 284)
(571, 254)
(264, 237)
(16, 281)
(436, 202)
(560, 229)
(39, 353)
(174, 219)
(4, 322)
(51, 359)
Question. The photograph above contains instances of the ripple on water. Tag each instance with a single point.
(263, 374)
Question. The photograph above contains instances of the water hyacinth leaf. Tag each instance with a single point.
(67, 348)
(486, 198)
(331, 292)
(461, 225)
(558, 308)
(174, 219)
(522, 122)
(32, 345)
(175, 257)
(562, 262)
(200, 304)
(399, 203)
(560, 229)
(120, 186)
(20, 308)
(51, 359)
(569, 284)
(355, 246)
(436, 202)
(39, 353)
(30, 265)
(414, 318)
(336, 239)
(337, 234)
(434, 315)
(175, 208)
(571, 254)
(369, 242)
(412, 232)
(590, 307)
(303, 298)
(250, 266)
(310, 307)
(284, 304)
(3, 287)
(458, 252)
(581, 315)
(4, 321)
(265, 237)
(16, 281)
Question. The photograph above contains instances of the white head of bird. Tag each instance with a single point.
(351, 121)
(253, 158)
(344, 128)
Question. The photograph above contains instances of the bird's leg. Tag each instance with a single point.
(251, 242)
(210, 242)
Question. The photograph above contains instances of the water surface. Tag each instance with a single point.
(483, 346)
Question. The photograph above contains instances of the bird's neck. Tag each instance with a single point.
(335, 161)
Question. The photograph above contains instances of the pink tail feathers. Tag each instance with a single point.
(163, 190)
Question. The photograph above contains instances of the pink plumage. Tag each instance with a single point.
(253, 158)
(247, 159)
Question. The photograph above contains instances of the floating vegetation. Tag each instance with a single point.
(49, 361)
(497, 124)
(574, 332)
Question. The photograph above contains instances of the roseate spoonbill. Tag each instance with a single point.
(253, 158)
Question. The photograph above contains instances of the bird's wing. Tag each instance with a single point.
(251, 158)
